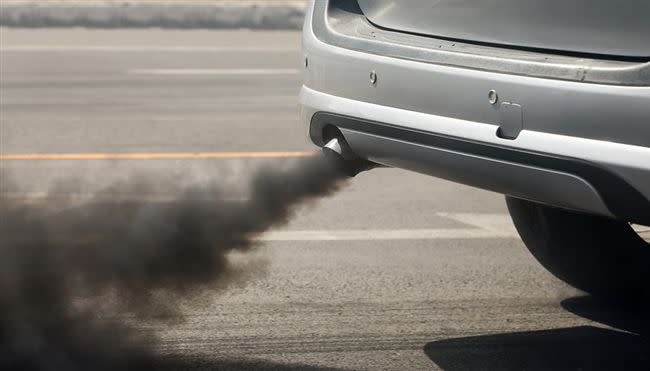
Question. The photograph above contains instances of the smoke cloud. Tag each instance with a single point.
(67, 273)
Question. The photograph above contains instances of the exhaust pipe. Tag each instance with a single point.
(339, 153)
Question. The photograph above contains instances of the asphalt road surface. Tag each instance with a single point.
(397, 271)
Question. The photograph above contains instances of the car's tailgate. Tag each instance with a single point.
(620, 28)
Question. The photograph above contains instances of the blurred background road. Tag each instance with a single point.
(398, 271)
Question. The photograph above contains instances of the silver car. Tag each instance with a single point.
(547, 102)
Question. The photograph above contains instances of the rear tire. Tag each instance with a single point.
(604, 257)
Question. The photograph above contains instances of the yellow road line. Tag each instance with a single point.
(150, 156)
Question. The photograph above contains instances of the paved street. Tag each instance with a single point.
(397, 271)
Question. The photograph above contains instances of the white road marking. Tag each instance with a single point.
(383, 234)
(484, 226)
(141, 48)
(215, 71)
(500, 223)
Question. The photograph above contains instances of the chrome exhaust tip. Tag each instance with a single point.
(339, 153)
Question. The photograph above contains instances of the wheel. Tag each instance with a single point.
(601, 256)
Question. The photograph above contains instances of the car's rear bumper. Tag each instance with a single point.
(583, 146)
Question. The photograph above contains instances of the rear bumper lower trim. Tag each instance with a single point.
(620, 198)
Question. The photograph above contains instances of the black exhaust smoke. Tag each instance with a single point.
(65, 276)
